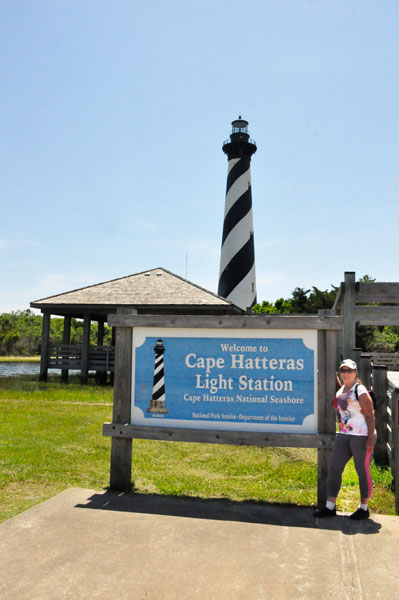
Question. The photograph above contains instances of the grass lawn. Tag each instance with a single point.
(51, 440)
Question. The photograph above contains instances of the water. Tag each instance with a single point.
(13, 369)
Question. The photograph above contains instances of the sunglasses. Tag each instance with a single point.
(346, 370)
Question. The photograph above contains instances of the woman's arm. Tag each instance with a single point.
(366, 404)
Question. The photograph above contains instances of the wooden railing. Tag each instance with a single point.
(102, 358)
(389, 359)
(69, 356)
(65, 356)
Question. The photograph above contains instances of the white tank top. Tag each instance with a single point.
(351, 419)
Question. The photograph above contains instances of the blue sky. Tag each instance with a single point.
(113, 114)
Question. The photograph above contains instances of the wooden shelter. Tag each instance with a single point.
(157, 292)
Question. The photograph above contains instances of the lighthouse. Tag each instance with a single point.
(158, 403)
(237, 281)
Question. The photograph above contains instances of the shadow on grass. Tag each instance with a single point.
(220, 509)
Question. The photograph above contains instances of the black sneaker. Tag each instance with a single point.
(325, 512)
(360, 514)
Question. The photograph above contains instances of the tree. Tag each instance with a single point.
(301, 301)
(21, 333)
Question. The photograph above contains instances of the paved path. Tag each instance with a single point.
(83, 544)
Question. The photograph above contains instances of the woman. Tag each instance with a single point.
(356, 437)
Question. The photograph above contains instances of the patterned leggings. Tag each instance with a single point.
(346, 446)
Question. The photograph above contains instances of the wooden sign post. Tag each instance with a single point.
(258, 380)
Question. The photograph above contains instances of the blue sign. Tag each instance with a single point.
(265, 384)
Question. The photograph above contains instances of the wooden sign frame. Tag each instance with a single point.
(122, 431)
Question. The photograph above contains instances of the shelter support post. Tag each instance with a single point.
(84, 368)
(113, 343)
(365, 370)
(380, 386)
(356, 354)
(66, 339)
(121, 448)
(100, 333)
(45, 347)
(327, 351)
(349, 332)
(101, 376)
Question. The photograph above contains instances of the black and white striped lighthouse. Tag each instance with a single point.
(237, 262)
(158, 402)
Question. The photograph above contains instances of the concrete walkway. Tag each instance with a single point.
(83, 544)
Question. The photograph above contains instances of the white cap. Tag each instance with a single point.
(348, 363)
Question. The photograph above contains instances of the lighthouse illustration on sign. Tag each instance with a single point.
(158, 402)
(237, 262)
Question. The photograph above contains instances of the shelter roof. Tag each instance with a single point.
(146, 291)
